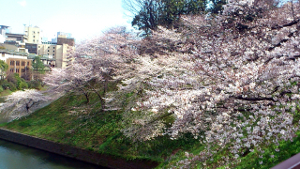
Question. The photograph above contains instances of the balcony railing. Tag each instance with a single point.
(291, 163)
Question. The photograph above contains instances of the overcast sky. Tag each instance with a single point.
(82, 18)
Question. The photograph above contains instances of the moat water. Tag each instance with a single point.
(15, 156)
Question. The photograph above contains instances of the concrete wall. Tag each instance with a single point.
(76, 153)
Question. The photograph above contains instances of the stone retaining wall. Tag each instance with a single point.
(76, 153)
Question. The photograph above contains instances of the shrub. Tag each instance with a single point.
(8, 85)
(12, 78)
(22, 85)
(35, 84)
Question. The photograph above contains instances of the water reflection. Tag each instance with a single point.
(14, 156)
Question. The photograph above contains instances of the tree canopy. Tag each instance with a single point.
(231, 81)
(148, 14)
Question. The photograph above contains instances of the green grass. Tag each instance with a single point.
(4, 93)
(69, 120)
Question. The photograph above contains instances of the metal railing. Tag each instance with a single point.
(291, 163)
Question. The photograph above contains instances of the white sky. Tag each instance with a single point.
(82, 18)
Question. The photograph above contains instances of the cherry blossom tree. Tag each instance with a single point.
(98, 61)
(233, 80)
(75, 78)
(22, 103)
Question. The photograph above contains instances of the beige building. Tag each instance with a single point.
(18, 65)
(17, 61)
(33, 34)
(60, 53)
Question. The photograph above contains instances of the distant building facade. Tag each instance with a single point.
(21, 38)
(66, 35)
(34, 34)
(32, 48)
(59, 52)
(69, 41)
(17, 61)
(60, 48)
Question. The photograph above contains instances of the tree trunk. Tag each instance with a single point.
(87, 98)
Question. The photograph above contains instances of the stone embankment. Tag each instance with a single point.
(76, 153)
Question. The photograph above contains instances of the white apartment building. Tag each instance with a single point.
(34, 34)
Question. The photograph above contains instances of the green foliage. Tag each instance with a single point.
(13, 82)
(1, 89)
(38, 65)
(19, 82)
(3, 69)
(171, 10)
(22, 85)
(8, 85)
(217, 6)
(3, 66)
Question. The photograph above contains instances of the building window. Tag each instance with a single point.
(11, 69)
(23, 70)
(53, 51)
(53, 47)
(17, 70)
(27, 63)
(23, 63)
(48, 50)
(12, 63)
(3, 54)
(18, 63)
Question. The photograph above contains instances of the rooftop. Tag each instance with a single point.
(4, 26)
(13, 52)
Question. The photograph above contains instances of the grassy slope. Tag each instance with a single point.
(4, 93)
(93, 130)
(71, 121)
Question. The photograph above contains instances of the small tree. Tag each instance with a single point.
(3, 69)
(38, 65)
(28, 74)
(110, 55)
